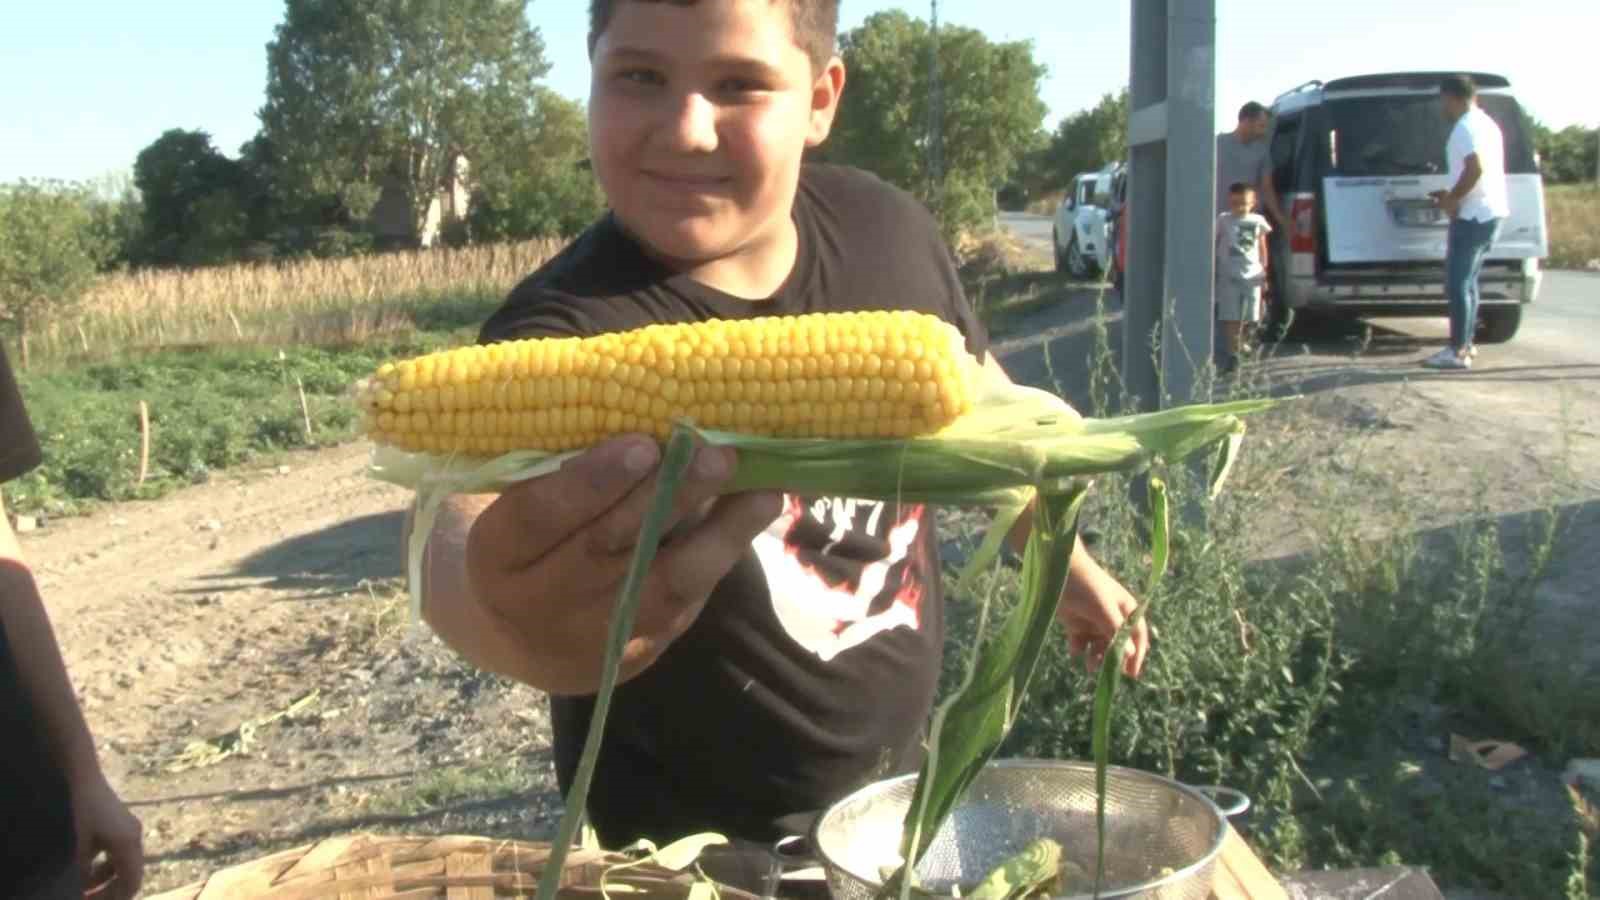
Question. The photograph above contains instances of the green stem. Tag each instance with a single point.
(1111, 666)
(674, 464)
(907, 874)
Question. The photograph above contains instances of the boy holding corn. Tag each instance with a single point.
(786, 649)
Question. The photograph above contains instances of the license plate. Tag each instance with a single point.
(1417, 214)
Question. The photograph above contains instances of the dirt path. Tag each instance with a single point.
(184, 619)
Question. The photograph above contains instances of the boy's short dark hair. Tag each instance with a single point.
(1241, 187)
(1460, 87)
(815, 24)
(1251, 111)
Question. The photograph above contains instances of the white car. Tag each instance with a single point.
(1081, 232)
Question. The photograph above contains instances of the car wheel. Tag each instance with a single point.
(1498, 324)
(1075, 262)
(1055, 249)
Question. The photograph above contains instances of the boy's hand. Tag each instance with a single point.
(548, 556)
(1093, 606)
(103, 822)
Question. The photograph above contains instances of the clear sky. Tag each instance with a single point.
(86, 84)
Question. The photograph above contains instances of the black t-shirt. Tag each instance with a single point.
(812, 669)
(36, 834)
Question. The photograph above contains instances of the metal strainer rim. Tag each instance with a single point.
(1219, 838)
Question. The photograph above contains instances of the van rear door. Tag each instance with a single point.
(1386, 154)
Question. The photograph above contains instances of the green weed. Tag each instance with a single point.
(1326, 684)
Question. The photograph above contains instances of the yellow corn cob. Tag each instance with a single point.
(890, 374)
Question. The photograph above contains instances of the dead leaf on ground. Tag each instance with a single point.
(1493, 755)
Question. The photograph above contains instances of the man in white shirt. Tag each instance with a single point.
(1476, 204)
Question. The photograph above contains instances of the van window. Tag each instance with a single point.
(1285, 135)
(1405, 134)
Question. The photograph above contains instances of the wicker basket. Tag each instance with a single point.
(452, 867)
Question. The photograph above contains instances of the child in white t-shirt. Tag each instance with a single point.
(1240, 245)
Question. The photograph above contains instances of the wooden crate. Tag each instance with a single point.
(459, 867)
(1241, 875)
(451, 867)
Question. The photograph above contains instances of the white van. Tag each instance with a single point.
(1353, 161)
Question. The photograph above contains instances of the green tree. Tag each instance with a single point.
(117, 214)
(990, 110)
(361, 93)
(49, 252)
(1082, 142)
(287, 221)
(1567, 156)
(194, 210)
(542, 186)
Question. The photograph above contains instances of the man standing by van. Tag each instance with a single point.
(1476, 205)
(1242, 156)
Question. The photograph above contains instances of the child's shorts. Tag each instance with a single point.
(1238, 301)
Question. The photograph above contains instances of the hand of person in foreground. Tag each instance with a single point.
(104, 824)
(548, 556)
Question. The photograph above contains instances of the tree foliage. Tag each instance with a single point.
(990, 111)
(542, 188)
(195, 200)
(361, 93)
(1087, 140)
(50, 250)
(1569, 155)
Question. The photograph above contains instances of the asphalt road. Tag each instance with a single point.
(1560, 331)
(1035, 229)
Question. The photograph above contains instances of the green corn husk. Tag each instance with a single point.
(1018, 445)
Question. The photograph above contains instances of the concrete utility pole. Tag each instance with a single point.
(935, 108)
(1167, 319)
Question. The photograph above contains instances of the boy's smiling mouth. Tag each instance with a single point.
(686, 180)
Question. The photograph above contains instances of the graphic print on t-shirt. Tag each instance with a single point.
(840, 572)
(1246, 239)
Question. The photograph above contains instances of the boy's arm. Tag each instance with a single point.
(38, 656)
(1093, 603)
(100, 818)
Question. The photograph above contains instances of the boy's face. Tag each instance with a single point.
(698, 117)
(1241, 202)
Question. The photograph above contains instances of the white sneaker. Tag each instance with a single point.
(1447, 359)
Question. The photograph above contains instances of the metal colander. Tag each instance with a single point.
(1162, 837)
